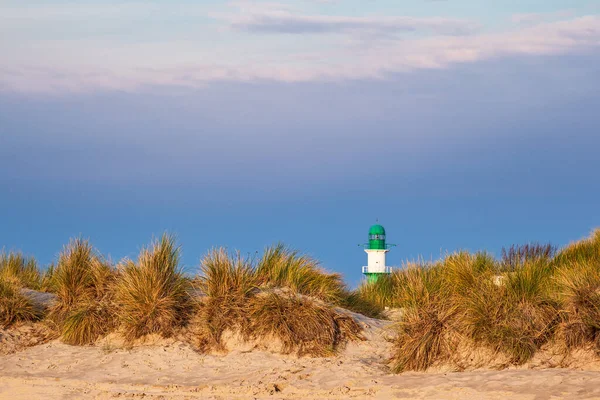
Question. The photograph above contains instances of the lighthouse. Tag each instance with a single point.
(376, 250)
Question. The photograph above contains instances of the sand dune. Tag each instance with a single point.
(165, 369)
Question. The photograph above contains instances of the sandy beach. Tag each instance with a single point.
(170, 369)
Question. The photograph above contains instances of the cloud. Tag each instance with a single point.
(286, 22)
(536, 18)
(351, 53)
(106, 10)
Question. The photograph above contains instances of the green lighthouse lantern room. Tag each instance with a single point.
(376, 250)
(377, 237)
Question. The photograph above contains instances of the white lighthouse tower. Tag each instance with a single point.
(376, 250)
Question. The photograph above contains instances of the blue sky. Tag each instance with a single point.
(459, 124)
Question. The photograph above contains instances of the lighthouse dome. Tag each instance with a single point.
(377, 230)
(377, 238)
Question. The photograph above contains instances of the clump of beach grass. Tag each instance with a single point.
(516, 317)
(427, 332)
(578, 290)
(357, 302)
(302, 325)
(20, 270)
(228, 282)
(382, 292)
(584, 251)
(14, 306)
(47, 282)
(285, 297)
(83, 283)
(283, 267)
(472, 298)
(152, 294)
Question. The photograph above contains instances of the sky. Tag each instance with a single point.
(457, 124)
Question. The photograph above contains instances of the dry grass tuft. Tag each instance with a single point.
(15, 307)
(87, 322)
(83, 283)
(302, 325)
(20, 270)
(283, 267)
(461, 299)
(273, 300)
(514, 325)
(578, 289)
(381, 293)
(153, 295)
(359, 303)
(47, 282)
(73, 278)
(583, 251)
(426, 335)
(228, 282)
(427, 332)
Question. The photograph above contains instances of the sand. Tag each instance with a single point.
(169, 369)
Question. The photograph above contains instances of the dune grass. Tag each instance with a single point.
(584, 251)
(15, 307)
(285, 296)
(517, 255)
(579, 294)
(532, 296)
(427, 332)
(152, 294)
(578, 290)
(303, 326)
(518, 317)
(283, 267)
(381, 293)
(82, 282)
(508, 306)
(20, 270)
(356, 302)
(47, 282)
(228, 282)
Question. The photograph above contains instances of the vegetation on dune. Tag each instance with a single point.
(14, 306)
(152, 294)
(19, 270)
(515, 256)
(465, 297)
(427, 331)
(532, 296)
(381, 293)
(583, 251)
(358, 303)
(83, 283)
(47, 282)
(283, 267)
(285, 296)
(578, 290)
(228, 282)
(521, 313)
(579, 294)
(302, 325)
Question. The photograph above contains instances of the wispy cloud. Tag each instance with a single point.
(108, 9)
(536, 18)
(352, 48)
(286, 22)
